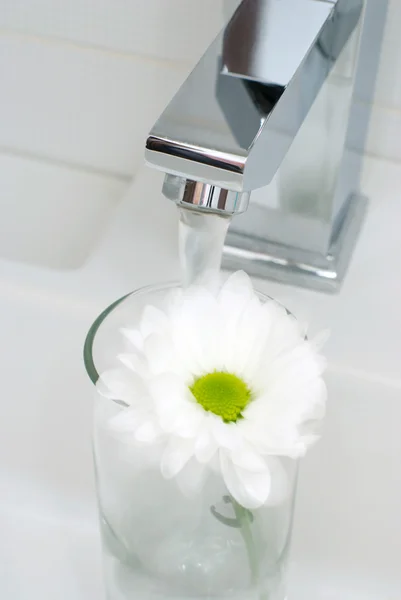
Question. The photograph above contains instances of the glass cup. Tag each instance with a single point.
(158, 541)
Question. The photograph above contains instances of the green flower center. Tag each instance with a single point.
(223, 394)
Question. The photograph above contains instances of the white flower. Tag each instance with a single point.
(221, 382)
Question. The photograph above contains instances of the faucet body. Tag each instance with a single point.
(267, 109)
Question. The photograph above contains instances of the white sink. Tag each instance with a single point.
(52, 215)
(347, 536)
(347, 542)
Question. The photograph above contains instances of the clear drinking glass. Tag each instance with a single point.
(159, 543)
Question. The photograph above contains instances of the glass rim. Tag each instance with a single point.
(94, 328)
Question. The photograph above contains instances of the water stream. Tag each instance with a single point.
(201, 242)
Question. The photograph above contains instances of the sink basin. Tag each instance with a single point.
(347, 535)
(53, 215)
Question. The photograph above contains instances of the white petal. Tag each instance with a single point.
(251, 333)
(167, 388)
(196, 330)
(147, 432)
(285, 333)
(315, 409)
(254, 330)
(188, 420)
(238, 284)
(225, 434)
(120, 384)
(159, 353)
(234, 298)
(301, 363)
(246, 458)
(135, 363)
(192, 478)
(257, 485)
(205, 446)
(274, 436)
(176, 409)
(167, 421)
(305, 442)
(127, 420)
(251, 490)
(280, 484)
(170, 397)
(175, 456)
(153, 321)
(133, 336)
(320, 339)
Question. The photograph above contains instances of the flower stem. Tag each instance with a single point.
(244, 518)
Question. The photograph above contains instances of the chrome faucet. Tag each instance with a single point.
(267, 109)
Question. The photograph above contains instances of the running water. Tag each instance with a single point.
(201, 242)
(201, 237)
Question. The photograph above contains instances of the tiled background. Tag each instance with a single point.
(82, 81)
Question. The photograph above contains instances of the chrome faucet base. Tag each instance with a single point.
(293, 266)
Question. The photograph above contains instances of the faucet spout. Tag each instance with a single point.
(234, 119)
(271, 108)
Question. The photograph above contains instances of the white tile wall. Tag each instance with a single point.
(177, 30)
(82, 106)
(385, 124)
(84, 79)
(384, 139)
(388, 91)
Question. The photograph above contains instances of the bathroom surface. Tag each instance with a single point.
(84, 222)
(347, 538)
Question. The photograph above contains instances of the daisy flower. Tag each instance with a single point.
(222, 382)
